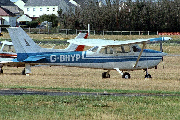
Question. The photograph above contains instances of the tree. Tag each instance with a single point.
(50, 18)
(146, 15)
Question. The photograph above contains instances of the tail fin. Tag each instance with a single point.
(24, 44)
(75, 47)
(21, 41)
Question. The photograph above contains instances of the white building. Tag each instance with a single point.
(36, 8)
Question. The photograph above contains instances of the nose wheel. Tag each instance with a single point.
(147, 75)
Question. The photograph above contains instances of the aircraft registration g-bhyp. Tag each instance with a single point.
(105, 54)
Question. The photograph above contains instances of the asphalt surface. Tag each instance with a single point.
(26, 92)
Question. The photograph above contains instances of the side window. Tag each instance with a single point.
(103, 51)
(125, 48)
(8, 48)
(115, 49)
(122, 49)
(107, 50)
(135, 48)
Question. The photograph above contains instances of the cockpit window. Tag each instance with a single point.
(115, 49)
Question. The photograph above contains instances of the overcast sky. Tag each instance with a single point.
(13, 0)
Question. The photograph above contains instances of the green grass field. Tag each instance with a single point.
(166, 80)
(89, 107)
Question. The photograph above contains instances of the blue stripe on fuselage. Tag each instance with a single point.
(80, 57)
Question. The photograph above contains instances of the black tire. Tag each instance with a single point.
(23, 72)
(126, 75)
(1, 71)
(148, 76)
(105, 76)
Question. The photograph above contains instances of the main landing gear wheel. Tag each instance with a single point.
(148, 76)
(23, 72)
(126, 75)
(105, 75)
(1, 70)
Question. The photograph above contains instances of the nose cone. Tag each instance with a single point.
(166, 38)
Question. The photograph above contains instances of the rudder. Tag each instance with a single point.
(22, 42)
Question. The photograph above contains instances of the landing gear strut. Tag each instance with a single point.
(27, 70)
(147, 75)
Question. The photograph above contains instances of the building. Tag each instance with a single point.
(36, 8)
(7, 4)
(7, 17)
(23, 20)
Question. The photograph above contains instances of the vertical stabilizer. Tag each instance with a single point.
(75, 47)
(22, 42)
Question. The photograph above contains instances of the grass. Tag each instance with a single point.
(60, 78)
(89, 107)
(165, 78)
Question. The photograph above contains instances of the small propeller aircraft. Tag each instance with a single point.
(106, 54)
(7, 53)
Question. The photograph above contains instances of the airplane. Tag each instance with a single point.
(8, 56)
(105, 54)
(7, 53)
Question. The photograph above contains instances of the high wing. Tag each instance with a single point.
(103, 42)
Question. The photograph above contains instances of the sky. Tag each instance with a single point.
(13, 0)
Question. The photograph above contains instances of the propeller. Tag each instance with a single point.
(161, 49)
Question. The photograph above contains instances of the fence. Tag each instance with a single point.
(92, 32)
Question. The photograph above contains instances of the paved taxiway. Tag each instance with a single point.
(26, 92)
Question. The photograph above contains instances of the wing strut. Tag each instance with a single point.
(144, 44)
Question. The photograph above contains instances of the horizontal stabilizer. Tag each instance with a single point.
(33, 58)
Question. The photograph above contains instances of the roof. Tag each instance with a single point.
(44, 2)
(62, 4)
(24, 18)
(6, 3)
(5, 12)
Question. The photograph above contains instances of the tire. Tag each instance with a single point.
(23, 72)
(105, 76)
(148, 76)
(1, 71)
(126, 75)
